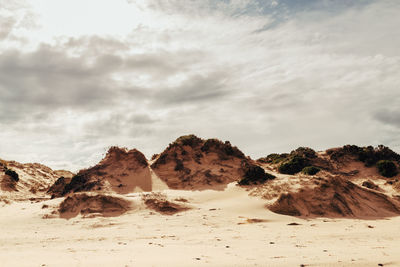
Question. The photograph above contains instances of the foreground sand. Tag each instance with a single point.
(216, 232)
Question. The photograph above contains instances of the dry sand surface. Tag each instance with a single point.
(222, 228)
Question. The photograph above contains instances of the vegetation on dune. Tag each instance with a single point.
(294, 165)
(13, 174)
(254, 175)
(79, 183)
(387, 168)
(224, 149)
(304, 152)
(179, 165)
(293, 162)
(274, 158)
(310, 170)
(199, 147)
(187, 140)
(381, 156)
(369, 155)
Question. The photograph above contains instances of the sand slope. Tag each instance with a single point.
(122, 171)
(34, 180)
(337, 198)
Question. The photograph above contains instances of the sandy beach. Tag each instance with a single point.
(226, 228)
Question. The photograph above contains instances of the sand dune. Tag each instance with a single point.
(34, 179)
(195, 164)
(337, 198)
(186, 207)
(121, 171)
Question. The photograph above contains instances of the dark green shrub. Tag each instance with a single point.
(12, 174)
(179, 165)
(188, 140)
(310, 170)
(293, 166)
(254, 174)
(369, 155)
(304, 152)
(80, 183)
(386, 168)
(224, 149)
(274, 158)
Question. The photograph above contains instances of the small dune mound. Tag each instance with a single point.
(300, 159)
(193, 163)
(122, 171)
(102, 205)
(336, 198)
(26, 180)
(159, 203)
(385, 160)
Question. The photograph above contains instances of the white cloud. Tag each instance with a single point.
(140, 75)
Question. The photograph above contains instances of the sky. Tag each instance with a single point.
(79, 76)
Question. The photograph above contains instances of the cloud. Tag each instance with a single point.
(196, 89)
(50, 78)
(7, 23)
(388, 117)
(267, 75)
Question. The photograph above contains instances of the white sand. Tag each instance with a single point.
(214, 233)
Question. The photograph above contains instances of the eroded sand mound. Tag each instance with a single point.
(159, 202)
(193, 163)
(336, 198)
(122, 171)
(81, 203)
(31, 179)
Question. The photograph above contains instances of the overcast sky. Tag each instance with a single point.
(77, 76)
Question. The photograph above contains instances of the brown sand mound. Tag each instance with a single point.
(33, 179)
(84, 204)
(159, 203)
(336, 198)
(122, 171)
(193, 163)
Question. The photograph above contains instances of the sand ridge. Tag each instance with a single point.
(188, 207)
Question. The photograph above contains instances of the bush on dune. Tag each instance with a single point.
(369, 155)
(294, 165)
(254, 175)
(13, 174)
(310, 170)
(304, 152)
(188, 140)
(386, 168)
(274, 158)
